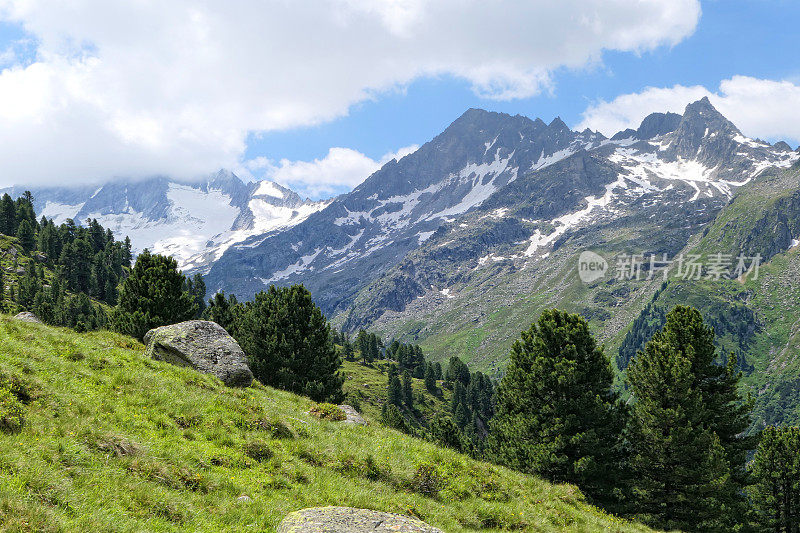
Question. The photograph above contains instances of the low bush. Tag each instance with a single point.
(328, 411)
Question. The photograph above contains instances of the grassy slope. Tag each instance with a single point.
(116, 442)
(368, 385)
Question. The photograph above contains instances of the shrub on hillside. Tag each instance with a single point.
(153, 295)
(288, 343)
(328, 411)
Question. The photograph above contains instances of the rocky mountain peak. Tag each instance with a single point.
(657, 124)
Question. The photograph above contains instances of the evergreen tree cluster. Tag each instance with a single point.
(471, 404)
(288, 341)
(674, 458)
(72, 270)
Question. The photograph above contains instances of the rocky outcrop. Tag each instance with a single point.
(202, 345)
(350, 520)
(353, 416)
(28, 317)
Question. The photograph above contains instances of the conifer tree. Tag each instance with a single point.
(446, 433)
(26, 236)
(152, 296)
(408, 394)
(222, 310)
(349, 353)
(430, 378)
(8, 216)
(688, 450)
(374, 352)
(776, 470)
(557, 415)
(288, 343)
(394, 389)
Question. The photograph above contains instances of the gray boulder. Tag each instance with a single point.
(353, 416)
(28, 317)
(350, 520)
(202, 345)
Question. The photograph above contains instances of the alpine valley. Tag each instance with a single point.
(460, 245)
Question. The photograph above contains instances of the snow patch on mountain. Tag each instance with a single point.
(61, 212)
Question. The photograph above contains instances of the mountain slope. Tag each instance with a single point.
(363, 233)
(482, 278)
(113, 441)
(756, 316)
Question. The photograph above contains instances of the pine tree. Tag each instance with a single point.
(557, 415)
(349, 353)
(394, 389)
(408, 394)
(288, 343)
(196, 286)
(430, 379)
(8, 216)
(457, 370)
(776, 471)
(683, 453)
(26, 237)
(222, 310)
(372, 346)
(152, 296)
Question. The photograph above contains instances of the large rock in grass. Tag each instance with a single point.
(202, 345)
(28, 317)
(349, 520)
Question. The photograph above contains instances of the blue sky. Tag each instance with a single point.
(317, 94)
(756, 38)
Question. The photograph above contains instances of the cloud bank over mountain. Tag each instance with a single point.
(140, 88)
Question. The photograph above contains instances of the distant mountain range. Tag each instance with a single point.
(459, 245)
(193, 221)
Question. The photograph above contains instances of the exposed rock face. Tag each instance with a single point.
(349, 520)
(28, 317)
(202, 345)
(353, 416)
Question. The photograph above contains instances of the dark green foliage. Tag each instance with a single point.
(650, 320)
(446, 433)
(557, 415)
(776, 472)
(196, 287)
(222, 310)
(689, 450)
(26, 237)
(430, 379)
(8, 216)
(457, 371)
(153, 295)
(288, 343)
(408, 395)
(393, 418)
(394, 389)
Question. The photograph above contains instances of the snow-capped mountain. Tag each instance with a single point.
(195, 222)
(533, 181)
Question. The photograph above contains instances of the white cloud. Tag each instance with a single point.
(761, 108)
(341, 169)
(140, 87)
